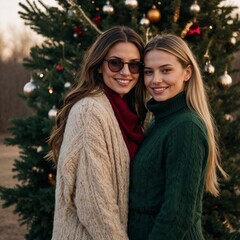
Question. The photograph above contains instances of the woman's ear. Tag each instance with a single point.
(100, 69)
(188, 73)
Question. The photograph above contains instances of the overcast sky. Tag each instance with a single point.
(9, 12)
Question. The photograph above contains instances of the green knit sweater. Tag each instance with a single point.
(167, 178)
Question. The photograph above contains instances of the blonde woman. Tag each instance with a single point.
(179, 156)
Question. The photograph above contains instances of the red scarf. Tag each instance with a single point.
(127, 120)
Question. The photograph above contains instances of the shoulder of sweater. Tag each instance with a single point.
(189, 118)
(98, 105)
(89, 110)
(99, 101)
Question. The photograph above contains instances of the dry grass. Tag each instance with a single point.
(9, 225)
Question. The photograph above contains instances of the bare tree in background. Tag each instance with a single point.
(13, 76)
(2, 47)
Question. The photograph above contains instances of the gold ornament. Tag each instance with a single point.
(154, 14)
(235, 34)
(108, 8)
(176, 14)
(50, 89)
(225, 79)
(228, 117)
(131, 3)
(186, 29)
(233, 40)
(237, 190)
(51, 179)
(148, 34)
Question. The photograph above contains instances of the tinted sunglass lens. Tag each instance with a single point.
(115, 65)
(134, 67)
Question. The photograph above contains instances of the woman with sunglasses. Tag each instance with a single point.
(179, 155)
(98, 132)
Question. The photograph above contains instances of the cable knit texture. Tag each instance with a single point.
(167, 179)
(92, 175)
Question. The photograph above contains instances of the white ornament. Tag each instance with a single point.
(52, 113)
(131, 3)
(209, 68)
(195, 8)
(39, 149)
(225, 79)
(144, 21)
(108, 8)
(67, 85)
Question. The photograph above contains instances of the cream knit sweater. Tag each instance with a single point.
(92, 175)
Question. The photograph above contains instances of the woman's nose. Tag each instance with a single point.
(157, 78)
(125, 70)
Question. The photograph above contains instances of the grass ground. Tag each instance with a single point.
(9, 225)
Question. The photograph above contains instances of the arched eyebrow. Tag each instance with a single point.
(162, 66)
(115, 57)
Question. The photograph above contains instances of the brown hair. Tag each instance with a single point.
(90, 82)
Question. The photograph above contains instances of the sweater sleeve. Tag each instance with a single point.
(185, 157)
(96, 196)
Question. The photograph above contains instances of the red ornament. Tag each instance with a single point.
(194, 30)
(78, 30)
(59, 67)
(97, 20)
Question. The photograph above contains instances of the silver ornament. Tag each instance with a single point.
(144, 21)
(52, 113)
(108, 8)
(35, 169)
(71, 13)
(195, 8)
(67, 85)
(29, 88)
(209, 68)
(225, 79)
(131, 3)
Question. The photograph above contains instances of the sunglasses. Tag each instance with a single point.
(116, 65)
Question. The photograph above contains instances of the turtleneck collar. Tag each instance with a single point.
(163, 109)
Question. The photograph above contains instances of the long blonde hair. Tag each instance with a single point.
(90, 82)
(197, 100)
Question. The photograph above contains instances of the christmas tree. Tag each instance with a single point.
(213, 34)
